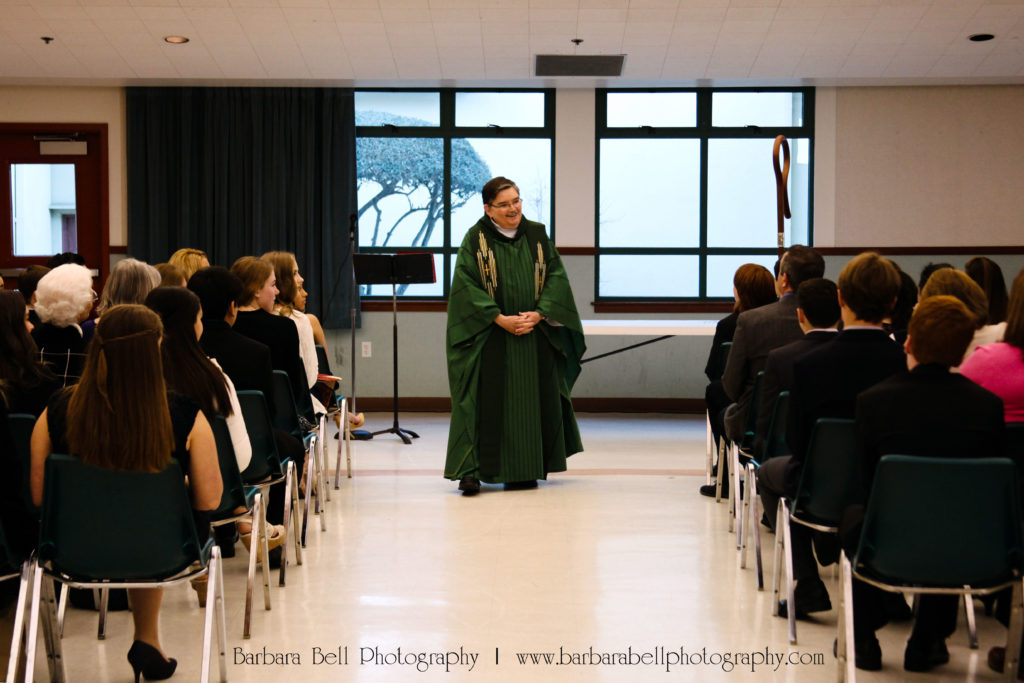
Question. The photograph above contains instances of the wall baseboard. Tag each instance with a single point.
(443, 404)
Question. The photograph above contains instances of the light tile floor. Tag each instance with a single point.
(619, 553)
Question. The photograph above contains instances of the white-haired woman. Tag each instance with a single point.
(64, 299)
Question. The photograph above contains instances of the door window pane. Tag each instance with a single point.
(649, 193)
(740, 109)
(400, 185)
(43, 209)
(505, 109)
(656, 109)
(721, 270)
(525, 161)
(742, 198)
(633, 275)
(398, 108)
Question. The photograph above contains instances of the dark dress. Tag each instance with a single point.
(183, 417)
(282, 338)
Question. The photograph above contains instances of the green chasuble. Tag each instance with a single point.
(512, 417)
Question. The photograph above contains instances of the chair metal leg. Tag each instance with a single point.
(250, 582)
(310, 466)
(734, 491)
(291, 515)
(24, 586)
(213, 588)
(62, 609)
(844, 636)
(972, 626)
(721, 466)
(222, 632)
(755, 522)
(1013, 634)
(324, 475)
(33, 624)
(101, 629)
(776, 566)
(709, 447)
(787, 556)
(348, 442)
(323, 491)
(54, 651)
(265, 549)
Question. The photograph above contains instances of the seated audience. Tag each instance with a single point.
(826, 382)
(65, 257)
(27, 283)
(999, 367)
(245, 361)
(817, 310)
(989, 277)
(931, 412)
(189, 261)
(289, 282)
(120, 416)
(64, 300)
(753, 286)
(188, 371)
(758, 331)
(953, 282)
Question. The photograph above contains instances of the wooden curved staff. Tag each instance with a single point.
(781, 187)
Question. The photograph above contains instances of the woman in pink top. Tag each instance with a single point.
(999, 367)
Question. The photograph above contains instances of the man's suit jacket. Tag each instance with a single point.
(778, 373)
(244, 360)
(826, 381)
(724, 332)
(928, 411)
(758, 331)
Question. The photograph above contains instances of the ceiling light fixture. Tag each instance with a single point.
(175, 40)
(980, 37)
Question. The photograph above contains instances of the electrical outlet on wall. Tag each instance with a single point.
(367, 349)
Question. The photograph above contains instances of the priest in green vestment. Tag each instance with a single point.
(514, 345)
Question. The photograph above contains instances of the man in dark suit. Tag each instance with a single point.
(826, 382)
(758, 331)
(818, 312)
(927, 411)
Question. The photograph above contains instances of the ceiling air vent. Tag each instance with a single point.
(579, 65)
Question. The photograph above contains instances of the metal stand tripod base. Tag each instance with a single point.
(402, 434)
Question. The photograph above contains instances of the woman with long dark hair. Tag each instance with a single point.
(120, 416)
(25, 383)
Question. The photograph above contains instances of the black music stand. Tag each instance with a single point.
(396, 269)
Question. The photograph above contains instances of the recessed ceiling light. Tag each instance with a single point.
(176, 40)
(980, 37)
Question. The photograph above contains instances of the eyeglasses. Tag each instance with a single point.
(506, 205)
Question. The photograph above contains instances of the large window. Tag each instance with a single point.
(422, 157)
(686, 189)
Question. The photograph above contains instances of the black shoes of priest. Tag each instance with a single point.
(810, 596)
(925, 655)
(470, 486)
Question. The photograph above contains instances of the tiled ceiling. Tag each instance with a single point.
(466, 42)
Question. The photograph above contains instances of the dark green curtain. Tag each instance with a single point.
(243, 171)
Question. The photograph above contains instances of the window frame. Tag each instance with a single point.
(704, 132)
(447, 131)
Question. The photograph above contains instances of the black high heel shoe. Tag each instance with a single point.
(146, 661)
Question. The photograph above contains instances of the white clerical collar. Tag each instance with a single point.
(507, 233)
